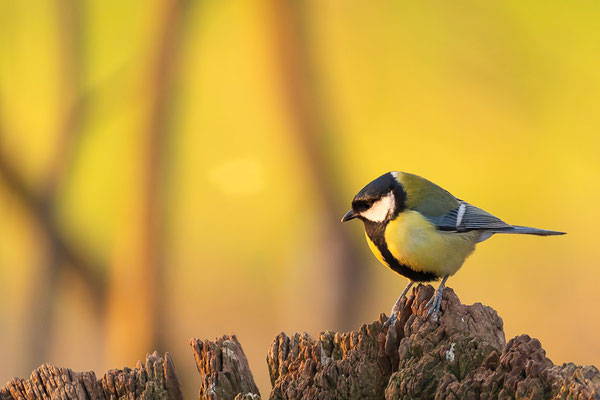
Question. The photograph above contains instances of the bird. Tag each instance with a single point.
(422, 232)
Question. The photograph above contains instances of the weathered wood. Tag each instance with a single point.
(463, 356)
(224, 370)
(336, 365)
(154, 379)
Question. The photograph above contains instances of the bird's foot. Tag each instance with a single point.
(395, 310)
(390, 321)
(434, 303)
(394, 313)
(397, 306)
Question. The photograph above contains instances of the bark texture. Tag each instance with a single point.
(461, 356)
(349, 365)
(154, 379)
(224, 370)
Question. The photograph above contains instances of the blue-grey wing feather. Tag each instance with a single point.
(467, 217)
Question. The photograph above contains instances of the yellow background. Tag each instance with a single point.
(199, 155)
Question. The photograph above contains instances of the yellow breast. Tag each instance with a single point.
(416, 242)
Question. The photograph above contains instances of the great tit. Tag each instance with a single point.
(423, 232)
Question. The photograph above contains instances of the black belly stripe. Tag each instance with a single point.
(376, 232)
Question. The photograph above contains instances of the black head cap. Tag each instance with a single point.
(378, 188)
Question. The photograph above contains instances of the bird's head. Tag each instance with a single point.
(380, 201)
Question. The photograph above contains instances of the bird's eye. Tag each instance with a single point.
(361, 205)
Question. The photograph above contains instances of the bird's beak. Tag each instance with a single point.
(348, 216)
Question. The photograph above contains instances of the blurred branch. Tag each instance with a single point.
(70, 14)
(69, 252)
(45, 289)
(66, 150)
(136, 272)
(303, 100)
(62, 252)
(162, 77)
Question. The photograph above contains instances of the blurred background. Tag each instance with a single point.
(173, 169)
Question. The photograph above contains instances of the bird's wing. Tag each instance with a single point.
(466, 218)
(445, 211)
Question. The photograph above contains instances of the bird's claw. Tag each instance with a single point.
(390, 321)
(430, 300)
(434, 304)
(397, 306)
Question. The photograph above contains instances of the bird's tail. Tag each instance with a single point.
(525, 230)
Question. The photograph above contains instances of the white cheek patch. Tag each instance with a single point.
(380, 209)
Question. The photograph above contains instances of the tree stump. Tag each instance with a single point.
(463, 355)
(224, 370)
(154, 379)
